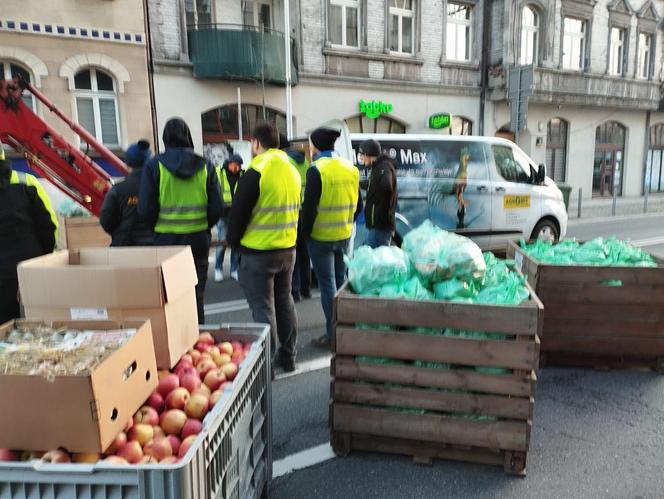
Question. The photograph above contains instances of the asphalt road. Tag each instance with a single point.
(596, 434)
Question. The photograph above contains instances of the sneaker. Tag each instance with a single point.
(287, 365)
(234, 275)
(306, 294)
(218, 276)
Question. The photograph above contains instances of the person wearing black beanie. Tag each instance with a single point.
(332, 203)
(119, 213)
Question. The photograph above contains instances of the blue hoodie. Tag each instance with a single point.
(180, 159)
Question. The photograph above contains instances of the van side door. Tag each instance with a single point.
(516, 200)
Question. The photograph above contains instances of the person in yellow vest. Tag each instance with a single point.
(180, 198)
(332, 203)
(263, 225)
(301, 287)
(28, 228)
(228, 176)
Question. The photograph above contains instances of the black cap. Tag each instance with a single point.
(284, 143)
(323, 139)
(370, 147)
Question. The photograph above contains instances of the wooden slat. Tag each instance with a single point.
(602, 328)
(413, 346)
(454, 379)
(610, 347)
(352, 309)
(372, 443)
(430, 428)
(632, 294)
(576, 274)
(490, 405)
(589, 311)
(602, 362)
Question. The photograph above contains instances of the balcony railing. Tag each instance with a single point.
(237, 52)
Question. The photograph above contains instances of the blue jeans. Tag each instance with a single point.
(379, 237)
(221, 250)
(328, 261)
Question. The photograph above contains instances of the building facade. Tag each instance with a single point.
(88, 58)
(388, 65)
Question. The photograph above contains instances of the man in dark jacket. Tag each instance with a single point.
(381, 200)
(119, 213)
(27, 230)
(227, 175)
(180, 198)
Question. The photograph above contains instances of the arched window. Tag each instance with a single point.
(530, 23)
(384, 124)
(97, 105)
(556, 149)
(609, 159)
(7, 72)
(461, 126)
(655, 168)
(221, 124)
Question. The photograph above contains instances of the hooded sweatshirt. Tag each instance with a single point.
(179, 158)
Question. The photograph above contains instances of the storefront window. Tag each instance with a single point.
(556, 149)
(654, 168)
(221, 124)
(361, 124)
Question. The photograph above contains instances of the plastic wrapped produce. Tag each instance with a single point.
(453, 290)
(371, 269)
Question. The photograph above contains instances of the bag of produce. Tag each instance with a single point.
(371, 269)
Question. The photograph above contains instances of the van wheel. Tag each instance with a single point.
(545, 230)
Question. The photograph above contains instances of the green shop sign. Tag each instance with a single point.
(440, 121)
(373, 109)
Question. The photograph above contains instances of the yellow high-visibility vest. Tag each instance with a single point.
(182, 203)
(31, 180)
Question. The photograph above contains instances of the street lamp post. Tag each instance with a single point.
(289, 95)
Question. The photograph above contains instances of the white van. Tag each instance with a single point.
(485, 188)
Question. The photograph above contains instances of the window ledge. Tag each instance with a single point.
(444, 63)
(372, 56)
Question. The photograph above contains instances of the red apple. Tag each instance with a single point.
(177, 399)
(216, 395)
(88, 458)
(214, 379)
(158, 432)
(161, 373)
(167, 384)
(148, 460)
(7, 455)
(214, 349)
(226, 347)
(202, 357)
(194, 354)
(206, 338)
(175, 443)
(130, 423)
(185, 360)
(147, 415)
(222, 359)
(132, 451)
(170, 460)
(172, 421)
(142, 433)
(237, 357)
(191, 381)
(197, 406)
(160, 448)
(247, 346)
(202, 390)
(56, 456)
(202, 347)
(156, 401)
(205, 366)
(191, 427)
(237, 346)
(230, 371)
(30, 455)
(186, 444)
(116, 460)
(187, 371)
(118, 442)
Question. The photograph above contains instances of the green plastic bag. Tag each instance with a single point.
(453, 289)
(371, 269)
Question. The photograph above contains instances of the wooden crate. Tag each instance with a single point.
(590, 323)
(364, 395)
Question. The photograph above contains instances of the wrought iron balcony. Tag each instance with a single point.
(237, 52)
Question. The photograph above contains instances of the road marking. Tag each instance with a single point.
(224, 307)
(652, 241)
(307, 367)
(301, 460)
(595, 220)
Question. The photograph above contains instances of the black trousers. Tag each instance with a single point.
(9, 306)
(302, 269)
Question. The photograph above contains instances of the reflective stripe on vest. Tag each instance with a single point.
(182, 202)
(338, 200)
(226, 190)
(30, 180)
(302, 170)
(273, 222)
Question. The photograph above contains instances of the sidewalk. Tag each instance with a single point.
(599, 208)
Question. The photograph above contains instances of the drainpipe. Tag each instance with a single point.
(153, 105)
(484, 66)
(646, 146)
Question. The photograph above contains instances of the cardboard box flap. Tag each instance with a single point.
(178, 273)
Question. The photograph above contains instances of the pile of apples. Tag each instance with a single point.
(163, 430)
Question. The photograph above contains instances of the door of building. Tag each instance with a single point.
(609, 159)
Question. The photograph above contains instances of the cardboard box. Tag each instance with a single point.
(119, 284)
(81, 232)
(81, 413)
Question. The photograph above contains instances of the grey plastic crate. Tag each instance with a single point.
(231, 458)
